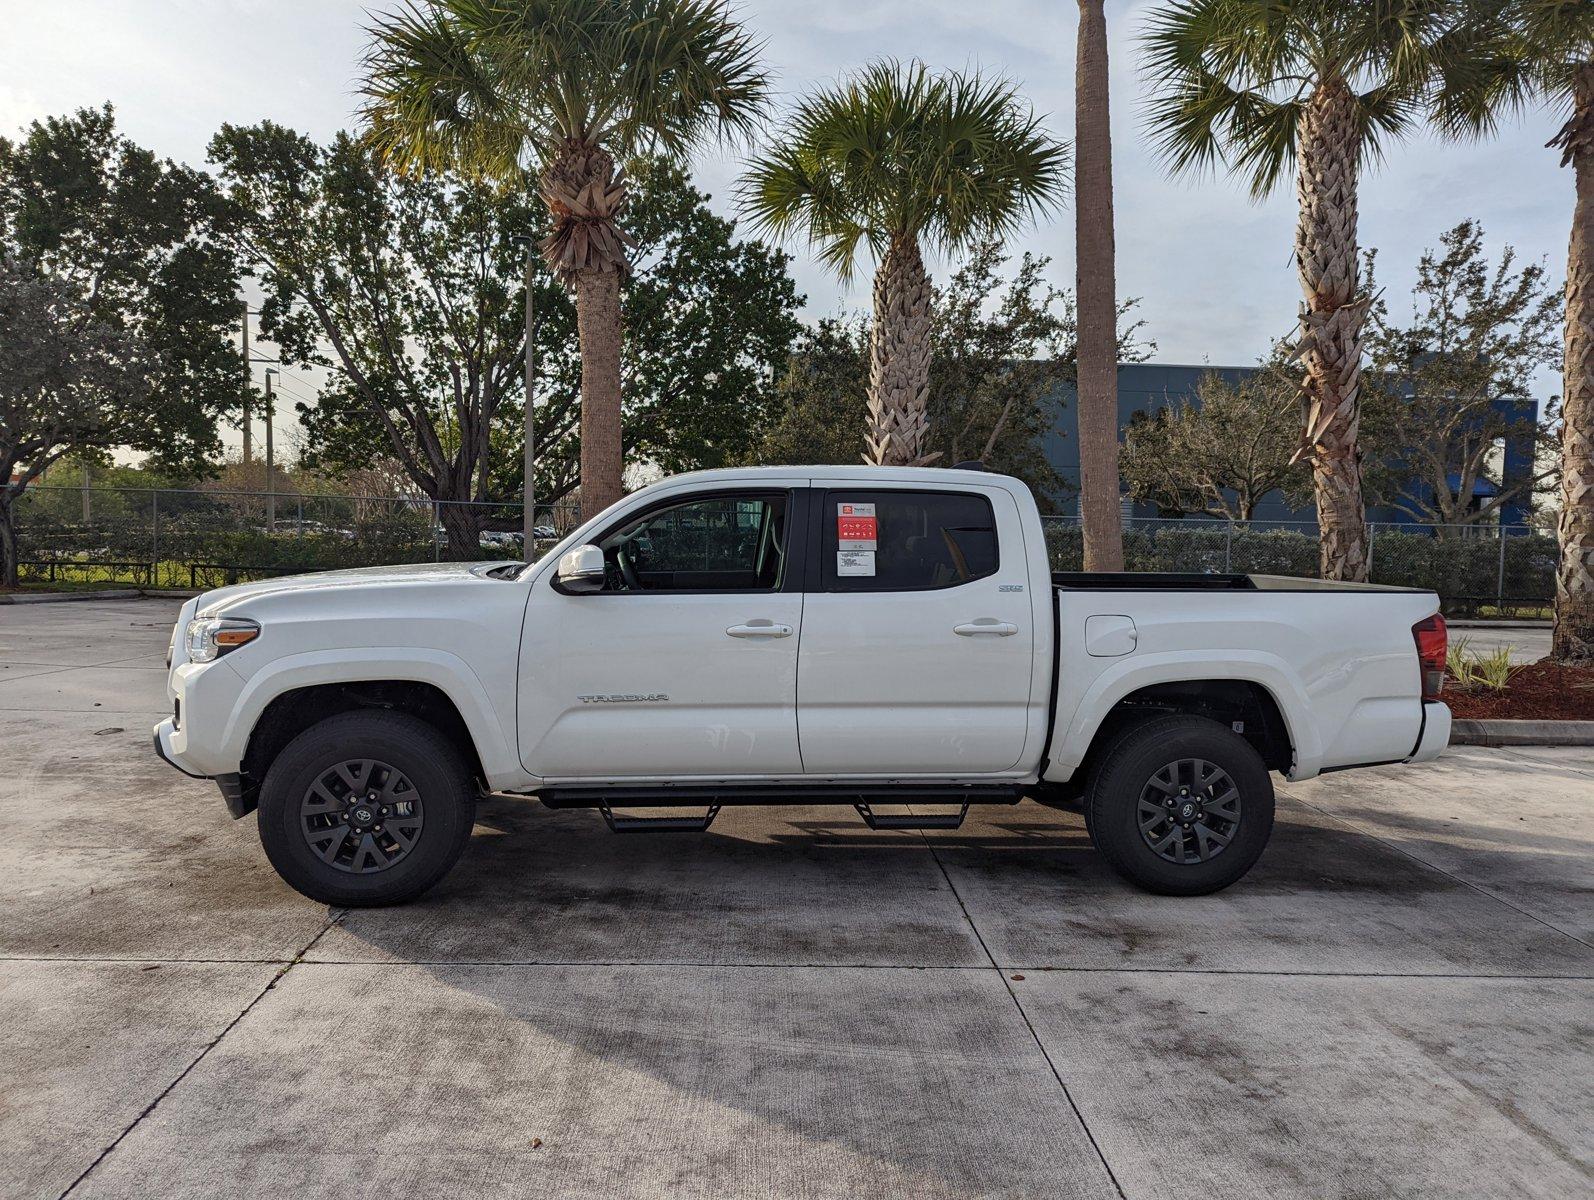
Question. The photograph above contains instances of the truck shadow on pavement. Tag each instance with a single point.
(769, 981)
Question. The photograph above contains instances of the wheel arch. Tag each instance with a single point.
(1230, 700)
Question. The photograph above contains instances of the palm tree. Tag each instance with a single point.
(895, 158)
(1529, 50)
(1096, 288)
(1321, 84)
(565, 88)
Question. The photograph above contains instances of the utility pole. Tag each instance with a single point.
(248, 386)
(271, 460)
(528, 467)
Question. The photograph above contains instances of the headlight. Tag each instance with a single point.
(211, 637)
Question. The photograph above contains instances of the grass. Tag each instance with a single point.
(71, 585)
(1472, 668)
(1514, 612)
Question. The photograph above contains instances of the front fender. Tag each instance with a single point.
(447, 672)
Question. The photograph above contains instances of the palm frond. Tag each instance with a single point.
(491, 86)
(898, 151)
(1229, 78)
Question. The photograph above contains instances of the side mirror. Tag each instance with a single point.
(581, 569)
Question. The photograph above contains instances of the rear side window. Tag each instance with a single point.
(901, 541)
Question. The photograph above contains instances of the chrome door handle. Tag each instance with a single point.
(759, 629)
(986, 625)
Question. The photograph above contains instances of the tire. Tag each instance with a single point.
(1164, 759)
(420, 782)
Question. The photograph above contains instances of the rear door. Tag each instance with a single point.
(917, 641)
(685, 664)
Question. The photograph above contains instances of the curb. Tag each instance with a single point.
(1522, 733)
(1499, 624)
(63, 597)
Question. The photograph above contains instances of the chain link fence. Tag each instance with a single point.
(205, 539)
(169, 538)
(1509, 569)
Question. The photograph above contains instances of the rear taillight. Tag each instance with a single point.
(1431, 647)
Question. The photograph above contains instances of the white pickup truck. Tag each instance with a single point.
(859, 635)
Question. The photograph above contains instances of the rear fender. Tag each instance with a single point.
(1074, 731)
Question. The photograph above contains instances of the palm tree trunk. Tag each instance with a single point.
(1096, 285)
(1573, 637)
(1327, 142)
(587, 250)
(598, 325)
(899, 360)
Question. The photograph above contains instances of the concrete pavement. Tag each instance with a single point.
(1398, 1001)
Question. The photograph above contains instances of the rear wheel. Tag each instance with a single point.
(366, 808)
(1180, 805)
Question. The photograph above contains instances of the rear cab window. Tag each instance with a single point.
(890, 540)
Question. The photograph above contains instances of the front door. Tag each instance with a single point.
(685, 664)
(917, 646)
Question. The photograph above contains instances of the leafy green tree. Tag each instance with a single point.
(1223, 452)
(1527, 51)
(1478, 333)
(69, 381)
(1320, 87)
(995, 372)
(821, 399)
(995, 367)
(411, 289)
(565, 88)
(408, 288)
(896, 158)
(142, 243)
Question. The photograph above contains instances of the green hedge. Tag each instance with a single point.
(1465, 571)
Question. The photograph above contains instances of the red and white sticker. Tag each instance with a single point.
(855, 527)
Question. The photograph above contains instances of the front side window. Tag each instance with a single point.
(714, 544)
(898, 541)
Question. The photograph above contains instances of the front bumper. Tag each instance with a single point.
(239, 796)
(1435, 735)
(163, 733)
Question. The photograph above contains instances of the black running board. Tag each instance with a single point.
(713, 797)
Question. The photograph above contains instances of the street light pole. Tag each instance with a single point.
(271, 460)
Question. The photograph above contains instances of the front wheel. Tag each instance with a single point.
(1180, 805)
(366, 808)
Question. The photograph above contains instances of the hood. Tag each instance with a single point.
(410, 573)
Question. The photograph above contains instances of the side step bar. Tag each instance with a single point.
(715, 796)
(876, 820)
(658, 824)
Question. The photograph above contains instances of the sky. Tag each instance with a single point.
(1213, 270)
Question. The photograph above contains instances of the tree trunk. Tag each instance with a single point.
(8, 543)
(602, 455)
(587, 250)
(1331, 325)
(462, 528)
(1573, 637)
(1095, 282)
(899, 360)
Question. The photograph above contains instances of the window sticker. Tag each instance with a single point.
(856, 530)
(855, 562)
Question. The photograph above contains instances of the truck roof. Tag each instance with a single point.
(862, 473)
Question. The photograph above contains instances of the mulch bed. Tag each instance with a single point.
(1541, 691)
